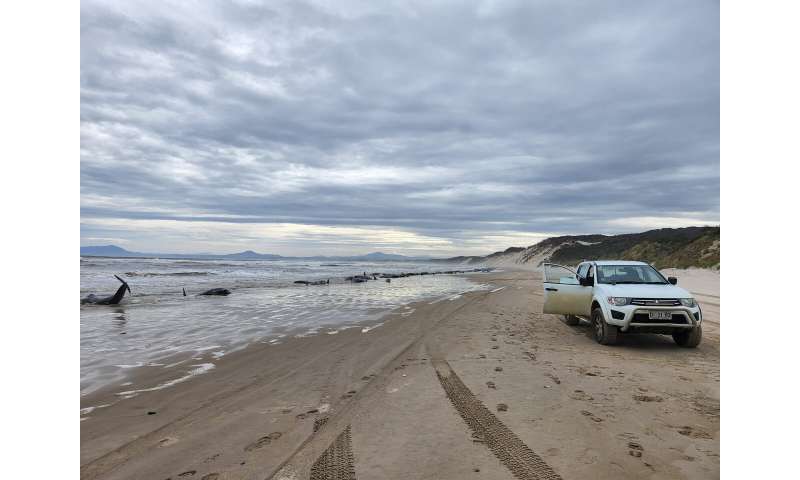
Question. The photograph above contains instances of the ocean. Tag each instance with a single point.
(156, 326)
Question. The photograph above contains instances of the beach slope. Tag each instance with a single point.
(481, 385)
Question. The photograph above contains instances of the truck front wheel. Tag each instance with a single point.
(689, 338)
(604, 333)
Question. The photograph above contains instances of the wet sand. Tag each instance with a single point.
(481, 386)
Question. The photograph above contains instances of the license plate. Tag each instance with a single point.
(660, 315)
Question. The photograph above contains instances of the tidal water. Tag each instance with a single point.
(157, 324)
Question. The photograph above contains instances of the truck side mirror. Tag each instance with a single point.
(672, 280)
(586, 281)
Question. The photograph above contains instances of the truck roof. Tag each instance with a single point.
(615, 262)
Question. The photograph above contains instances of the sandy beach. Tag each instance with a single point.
(481, 385)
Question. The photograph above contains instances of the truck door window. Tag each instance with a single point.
(559, 274)
(582, 270)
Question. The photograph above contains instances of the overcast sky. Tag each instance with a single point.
(441, 128)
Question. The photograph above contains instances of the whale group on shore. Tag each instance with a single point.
(93, 299)
(388, 276)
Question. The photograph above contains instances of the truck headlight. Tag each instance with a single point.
(687, 302)
(618, 301)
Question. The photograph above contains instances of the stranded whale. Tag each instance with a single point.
(216, 291)
(113, 299)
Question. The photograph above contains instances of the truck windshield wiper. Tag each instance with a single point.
(627, 282)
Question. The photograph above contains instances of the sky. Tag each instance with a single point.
(411, 127)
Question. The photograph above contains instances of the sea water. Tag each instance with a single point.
(157, 324)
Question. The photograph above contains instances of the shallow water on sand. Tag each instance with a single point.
(157, 324)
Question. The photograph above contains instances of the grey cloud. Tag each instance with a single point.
(515, 116)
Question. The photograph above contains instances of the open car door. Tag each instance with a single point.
(563, 294)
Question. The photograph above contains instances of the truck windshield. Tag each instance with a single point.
(615, 274)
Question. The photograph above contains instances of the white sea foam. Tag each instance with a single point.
(201, 369)
(88, 410)
(371, 327)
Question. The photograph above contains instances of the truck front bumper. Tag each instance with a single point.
(634, 317)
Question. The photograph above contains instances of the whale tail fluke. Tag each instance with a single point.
(124, 283)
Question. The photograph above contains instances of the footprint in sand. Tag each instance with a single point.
(531, 356)
(165, 442)
(498, 369)
(692, 432)
(302, 416)
(188, 473)
(591, 415)
(553, 378)
(263, 441)
(635, 449)
(210, 476)
(502, 407)
(581, 395)
(491, 385)
(349, 394)
(648, 398)
(319, 423)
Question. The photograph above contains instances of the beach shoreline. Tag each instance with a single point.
(584, 409)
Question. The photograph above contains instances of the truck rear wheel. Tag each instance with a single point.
(571, 320)
(689, 338)
(604, 333)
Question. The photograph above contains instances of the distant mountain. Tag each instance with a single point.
(664, 248)
(251, 255)
(107, 251)
(115, 251)
(383, 257)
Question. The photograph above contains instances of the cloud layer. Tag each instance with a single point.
(422, 127)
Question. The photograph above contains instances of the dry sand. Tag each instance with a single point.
(483, 386)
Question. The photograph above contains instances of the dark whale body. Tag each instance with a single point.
(216, 291)
(112, 300)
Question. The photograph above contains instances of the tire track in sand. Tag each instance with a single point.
(504, 444)
(337, 462)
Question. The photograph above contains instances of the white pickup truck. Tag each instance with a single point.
(620, 297)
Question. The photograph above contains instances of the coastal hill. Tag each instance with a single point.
(664, 248)
(119, 252)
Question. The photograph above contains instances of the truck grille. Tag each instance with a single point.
(645, 318)
(656, 302)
